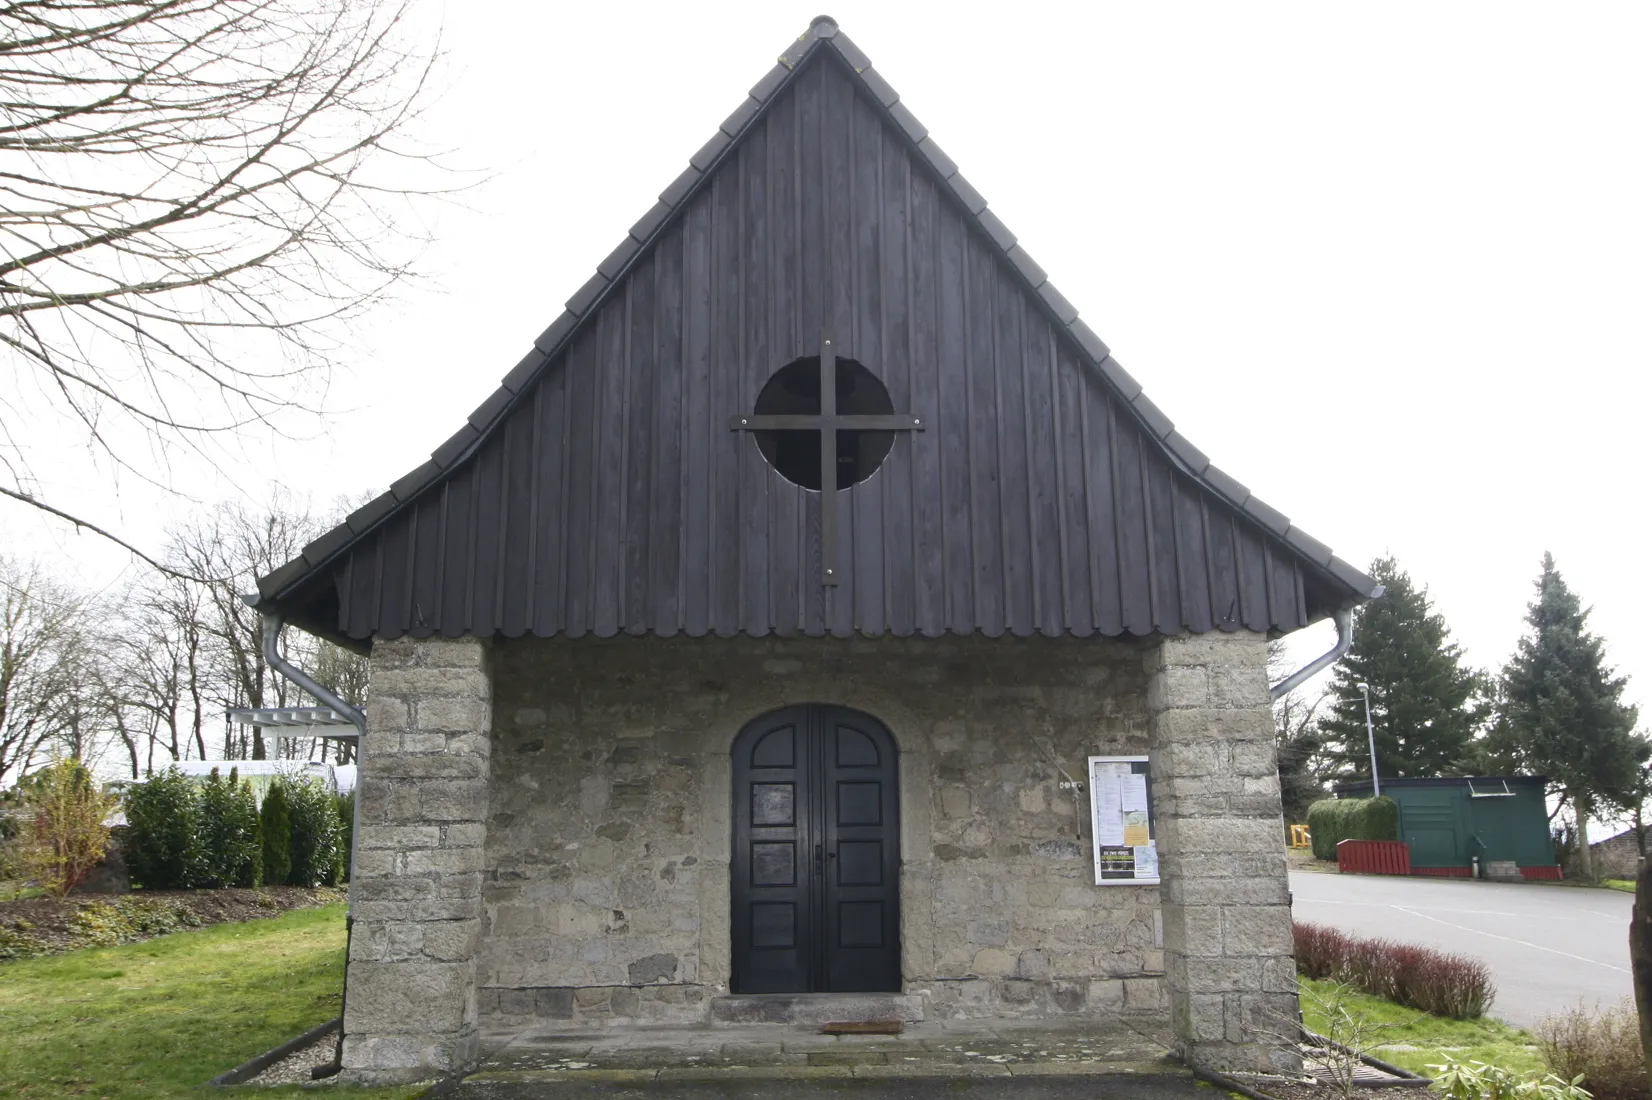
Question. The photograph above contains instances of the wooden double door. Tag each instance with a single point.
(815, 866)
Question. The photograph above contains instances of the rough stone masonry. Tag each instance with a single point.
(546, 832)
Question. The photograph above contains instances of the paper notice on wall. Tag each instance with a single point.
(1135, 828)
(1109, 810)
(1134, 794)
(1147, 861)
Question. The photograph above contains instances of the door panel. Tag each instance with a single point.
(815, 876)
(771, 918)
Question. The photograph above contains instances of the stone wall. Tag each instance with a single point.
(1231, 972)
(608, 842)
(416, 894)
(1617, 856)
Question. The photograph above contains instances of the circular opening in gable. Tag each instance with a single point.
(794, 390)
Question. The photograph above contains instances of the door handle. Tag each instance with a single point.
(820, 865)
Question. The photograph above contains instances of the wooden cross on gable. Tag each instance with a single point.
(827, 423)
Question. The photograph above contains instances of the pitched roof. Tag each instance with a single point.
(293, 584)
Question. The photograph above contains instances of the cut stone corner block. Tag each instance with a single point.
(410, 1010)
(1229, 966)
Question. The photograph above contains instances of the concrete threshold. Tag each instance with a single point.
(931, 1049)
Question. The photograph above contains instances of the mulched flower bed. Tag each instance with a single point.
(51, 926)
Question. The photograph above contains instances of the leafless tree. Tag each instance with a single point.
(1297, 743)
(40, 625)
(195, 197)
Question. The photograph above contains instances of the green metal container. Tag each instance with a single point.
(1449, 822)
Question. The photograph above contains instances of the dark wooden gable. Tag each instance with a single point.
(601, 490)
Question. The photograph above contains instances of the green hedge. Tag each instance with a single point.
(1333, 820)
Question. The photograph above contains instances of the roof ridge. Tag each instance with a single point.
(823, 32)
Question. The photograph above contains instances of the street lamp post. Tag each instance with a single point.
(1371, 737)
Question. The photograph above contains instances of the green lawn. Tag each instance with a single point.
(160, 1018)
(1627, 885)
(1417, 1040)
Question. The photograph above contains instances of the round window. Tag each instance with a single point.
(794, 390)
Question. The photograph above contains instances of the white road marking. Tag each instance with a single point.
(1511, 939)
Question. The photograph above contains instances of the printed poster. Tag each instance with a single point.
(1121, 820)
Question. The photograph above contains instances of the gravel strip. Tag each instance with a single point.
(294, 1069)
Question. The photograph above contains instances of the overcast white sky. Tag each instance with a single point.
(1389, 264)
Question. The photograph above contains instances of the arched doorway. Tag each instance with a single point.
(815, 865)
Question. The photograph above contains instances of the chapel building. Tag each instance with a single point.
(818, 620)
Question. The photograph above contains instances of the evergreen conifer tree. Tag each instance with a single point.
(1563, 713)
(276, 819)
(1424, 702)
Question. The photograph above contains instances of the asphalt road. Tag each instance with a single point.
(1550, 947)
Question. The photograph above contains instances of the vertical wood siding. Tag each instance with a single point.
(614, 499)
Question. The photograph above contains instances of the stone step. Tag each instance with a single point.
(815, 1008)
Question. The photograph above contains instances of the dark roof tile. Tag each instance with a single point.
(851, 53)
(763, 89)
(1192, 457)
(488, 411)
(448, 453)
(966, 191)
(322, 548)
(650, 221)
(408, 485)
(1353, 578)
(1157, 422)
(1027, 266)
(1316, 551)
(1271, 518)
(707, 156)
(907, 121)
(558, 331)
(933, 153)
(371, 512)
(1064, 311)
(798, 49)
(737, 120)
(1091, 343)
(879, 87)
(679, 188)
(997, 230)
(1224, 483)
(1115, 373)
(272, 583)
(618, 258)
(524, 372)
(586, 296)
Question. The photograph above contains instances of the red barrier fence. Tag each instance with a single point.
(1540, 874)
(1374, 857)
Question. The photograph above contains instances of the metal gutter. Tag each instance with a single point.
(273, 622)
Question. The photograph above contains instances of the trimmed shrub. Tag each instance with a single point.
(276, 825)
(1333, 820)
(1604, 1048)
(231, 848)
(162, 845)
(314, 834)
(1435, 982)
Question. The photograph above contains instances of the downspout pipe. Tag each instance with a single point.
(273, 622)
(1344, 618)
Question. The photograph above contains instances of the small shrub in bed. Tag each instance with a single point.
(1435, 982)
(1604, 1048)
(163, 847)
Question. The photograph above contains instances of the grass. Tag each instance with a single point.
(1627, 885)
(1416, 1040)
(159, 1018)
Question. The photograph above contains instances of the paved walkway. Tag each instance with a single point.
(1549, 947)
(738, 1060)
